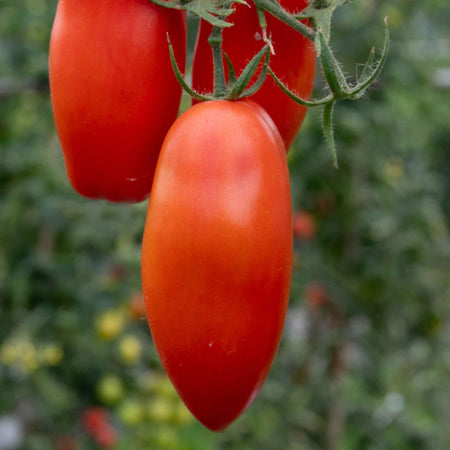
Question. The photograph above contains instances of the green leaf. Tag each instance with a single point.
(231, 72)
(367, 68)
(261, 78)
(247, 74)
(179, 76)
(212, 11)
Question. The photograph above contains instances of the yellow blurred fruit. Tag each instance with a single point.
(20, 353)
(164, 387)
(110, 324)
(159, 384)
(30, 361)
(8, 353)
(160, 410)
(52, 354)
(130, 349)
(110, 389)
(131, 412)
(182, 415)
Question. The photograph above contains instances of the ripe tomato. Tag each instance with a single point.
(217, 256)
(114, 94)
(294, 63)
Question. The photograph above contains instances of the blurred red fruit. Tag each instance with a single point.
(95, 422)
(106, 436)
(136, 306)
(304, 225)
(316, 295)
(94, 418)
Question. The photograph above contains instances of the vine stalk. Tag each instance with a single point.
(215, 40)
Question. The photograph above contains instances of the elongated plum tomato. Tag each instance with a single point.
(114, 95)
(217, 256)
(293, 62)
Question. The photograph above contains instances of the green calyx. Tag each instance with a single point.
(236, 88)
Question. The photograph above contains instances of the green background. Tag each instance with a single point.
(369, 369)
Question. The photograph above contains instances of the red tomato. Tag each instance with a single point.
(114, 94)
(94, 418)
(106, 436)
(304, 225)
(95, 421)
(294, 62)
(217, 256)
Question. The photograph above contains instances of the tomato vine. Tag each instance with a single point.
(318, 14)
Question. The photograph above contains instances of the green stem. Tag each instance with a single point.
(301, 101)
(274, 8)
(263, 24)
(328, 130)
(220, 85)
(262, 19)
(332, 70)
(370, 78)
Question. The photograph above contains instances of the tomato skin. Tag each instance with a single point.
(217, 256)
(294, 62)
(113, 91)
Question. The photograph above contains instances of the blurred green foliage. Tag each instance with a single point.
(364, 362)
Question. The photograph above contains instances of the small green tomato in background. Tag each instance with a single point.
(130, 349)
(164, 387)
(110, 324)
(52, 355)
(8, 353)
(131, 412)
(110, 389)
(160, 410)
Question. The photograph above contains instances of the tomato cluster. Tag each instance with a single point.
(217, 246)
